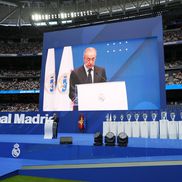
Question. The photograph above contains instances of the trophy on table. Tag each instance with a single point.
(172, 127)
(121, 117)
(145, 117)
(154, 126)
(172, 115)
(128, 116)
(110, 117)
(163, 125)
(106, 124)
(135, 126)
(144, 126)
(136, 116)
(180, 126)
(154, 116)
(114, 117)
(164, 115)
(121, 124)
(128, 126)
(113, 125)
(107, 117)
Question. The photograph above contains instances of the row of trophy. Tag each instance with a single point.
(110, 117)
(163, 128)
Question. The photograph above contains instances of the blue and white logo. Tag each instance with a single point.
(63, 84)
(16, 150)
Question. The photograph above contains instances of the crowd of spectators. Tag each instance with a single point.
(173, 35)
(173, 73)
(173, 65)
(23, 107)
(19, 79)
(26, 47)
(20, 48)
(17, 84)
(173, 77)
(23, 32)
(4, 73)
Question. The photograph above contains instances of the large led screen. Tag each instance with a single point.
(127, 74)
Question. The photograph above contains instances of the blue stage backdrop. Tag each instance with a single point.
(130, 51)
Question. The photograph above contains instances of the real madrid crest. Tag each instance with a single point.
(62, 84)
(50, 83)
(16, 150)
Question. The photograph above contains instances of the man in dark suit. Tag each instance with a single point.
(87, 73)
(55, 125)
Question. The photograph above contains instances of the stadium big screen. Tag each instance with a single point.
(131, 53)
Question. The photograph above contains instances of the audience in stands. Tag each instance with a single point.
(16, 84)
(4, 73)
(173, 65)
(20, 48)
(25, 47)
(173, 35)
(9, 107)
(173, 77)
(20, 79)
(173, 72)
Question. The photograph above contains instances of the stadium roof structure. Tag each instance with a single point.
(78, 12)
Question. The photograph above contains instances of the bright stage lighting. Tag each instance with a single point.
(40, 23)
(98, 140)
(110, 139)
(122, 139)
(53, 23)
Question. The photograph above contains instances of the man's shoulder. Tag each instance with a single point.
(98, 68)
(77, 70)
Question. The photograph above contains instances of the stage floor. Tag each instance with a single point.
(37, 151)
(88, 140)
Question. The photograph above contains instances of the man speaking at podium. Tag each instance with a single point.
(87, 73)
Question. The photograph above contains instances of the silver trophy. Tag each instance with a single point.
(107, 117)
(164, 115)
(154, 115)
(145, 116)
(172, 115)
(121, 117)
(110, 117)
(114, 117)
(128, 116)
(136, 116)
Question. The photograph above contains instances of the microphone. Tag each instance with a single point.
(103, 79)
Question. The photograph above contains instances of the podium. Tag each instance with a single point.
(102, 96)
(48, 129)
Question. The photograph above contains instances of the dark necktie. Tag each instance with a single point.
(89, 78)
